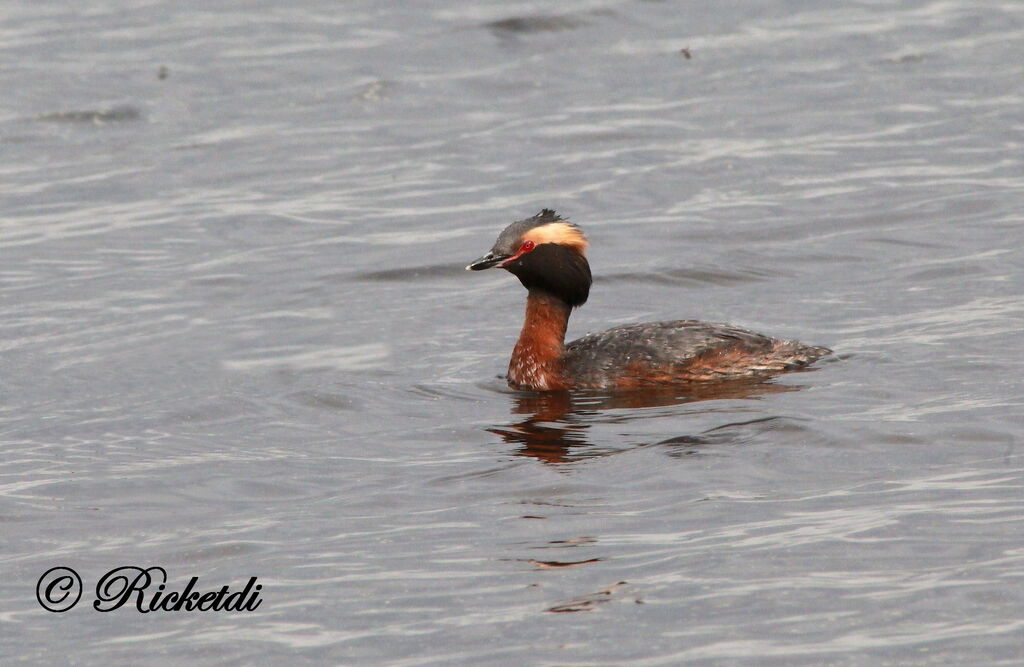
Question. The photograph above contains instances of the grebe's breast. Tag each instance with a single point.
(679, 351)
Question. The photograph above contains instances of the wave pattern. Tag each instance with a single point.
(236, 338)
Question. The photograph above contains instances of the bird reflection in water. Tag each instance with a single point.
(557, 422)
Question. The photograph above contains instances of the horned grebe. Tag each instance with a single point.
(546, 253)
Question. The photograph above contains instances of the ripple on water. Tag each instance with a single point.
(341, 358)
(116, 114)
(413, 273)
(694, 276)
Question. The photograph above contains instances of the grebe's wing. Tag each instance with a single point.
(680, 351)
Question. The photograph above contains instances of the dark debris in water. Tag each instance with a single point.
(591, 601)
(563, 563)
(570, 542)
(117, 114)
(532, 24)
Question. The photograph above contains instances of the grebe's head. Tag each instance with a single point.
(546, 253)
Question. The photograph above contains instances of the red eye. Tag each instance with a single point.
(526, 247)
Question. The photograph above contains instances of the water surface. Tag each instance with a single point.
(236, 338)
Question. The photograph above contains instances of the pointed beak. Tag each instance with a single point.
(486, 262)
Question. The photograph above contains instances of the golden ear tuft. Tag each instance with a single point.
(561, 232)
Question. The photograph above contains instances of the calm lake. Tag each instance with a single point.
(237, 338)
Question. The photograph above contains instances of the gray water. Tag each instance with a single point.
(237, 340)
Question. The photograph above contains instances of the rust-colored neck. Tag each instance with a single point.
(537, 358)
